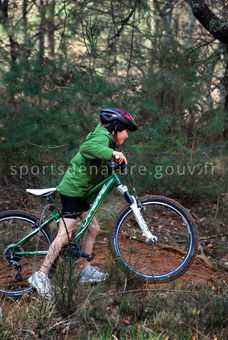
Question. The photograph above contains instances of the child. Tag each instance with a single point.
(93, 154)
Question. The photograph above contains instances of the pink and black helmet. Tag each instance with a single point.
(112, 116)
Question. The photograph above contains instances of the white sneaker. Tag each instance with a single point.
(92, 274)
(41, 283)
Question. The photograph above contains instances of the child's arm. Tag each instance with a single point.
(97, 148)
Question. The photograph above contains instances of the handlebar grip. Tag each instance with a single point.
(123, 167)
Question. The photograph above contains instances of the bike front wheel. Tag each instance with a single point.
(15, 269)
(165, 259)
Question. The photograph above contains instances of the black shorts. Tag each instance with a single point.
(72, 207)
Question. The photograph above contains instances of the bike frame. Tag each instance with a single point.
(103, 187)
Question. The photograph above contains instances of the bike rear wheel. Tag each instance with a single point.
(165, 259)
(14, 226)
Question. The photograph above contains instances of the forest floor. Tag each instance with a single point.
(211, 263)
(192, 307)
(201, 270)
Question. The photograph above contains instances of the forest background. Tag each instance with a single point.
(61, 61)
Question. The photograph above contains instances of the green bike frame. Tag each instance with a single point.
(103, 187)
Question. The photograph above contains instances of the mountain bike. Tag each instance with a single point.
(153, 239)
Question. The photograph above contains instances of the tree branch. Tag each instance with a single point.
(217, 27)
(124, 22)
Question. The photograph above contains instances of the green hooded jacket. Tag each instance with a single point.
(86, 167)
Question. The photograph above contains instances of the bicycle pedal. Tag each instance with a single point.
(18, 277)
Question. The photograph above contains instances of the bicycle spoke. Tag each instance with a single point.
(15, 269)
(163, 259)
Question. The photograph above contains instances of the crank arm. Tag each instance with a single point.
(89, 257)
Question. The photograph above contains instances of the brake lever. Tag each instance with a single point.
(124, 169)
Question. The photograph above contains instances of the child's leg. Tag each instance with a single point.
(89, 238)
(63, 236)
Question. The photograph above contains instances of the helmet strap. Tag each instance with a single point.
(115, 138)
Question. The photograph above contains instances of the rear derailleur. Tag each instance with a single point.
(13, 261)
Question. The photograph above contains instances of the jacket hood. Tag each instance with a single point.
(98, 131)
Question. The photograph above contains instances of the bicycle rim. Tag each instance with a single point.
(162, 260)
(13, 227)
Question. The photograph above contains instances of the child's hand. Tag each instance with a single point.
(119, 157)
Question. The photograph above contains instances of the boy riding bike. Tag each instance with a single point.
(94, 153)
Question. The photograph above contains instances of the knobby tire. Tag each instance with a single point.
(165, 259)
(14, 225)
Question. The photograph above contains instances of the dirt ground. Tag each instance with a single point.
(201, 270)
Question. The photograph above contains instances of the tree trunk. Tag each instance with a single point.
(219, 30)
(214, 25)
(4, 6)
(41, 33)
(51, 29)
(225, 83)
(25, 29)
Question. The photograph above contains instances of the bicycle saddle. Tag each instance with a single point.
(41, 192)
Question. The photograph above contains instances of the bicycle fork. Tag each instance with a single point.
(137, 214)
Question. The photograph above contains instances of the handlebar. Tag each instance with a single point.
(124, 168)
